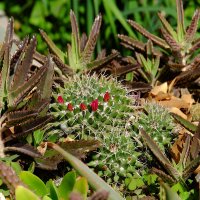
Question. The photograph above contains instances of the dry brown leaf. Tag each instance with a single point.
(159, 88)
(171, 85)
(177, 147)
(177, 103)
(42, 148)
(162, 96)
(188, 99)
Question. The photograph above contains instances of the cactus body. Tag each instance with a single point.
(92, 107)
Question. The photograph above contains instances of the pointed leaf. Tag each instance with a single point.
(28, 126)
(75, 35)
(23, 193)
(185, 152)
(148, 35)
(163, 175)
(192, 29)
(23, 66)
(66, 70)
(79, 147)
(83, 42)
(18, 55)
(159, 154)
(18, 116)
(67, 185)
(5, 74)
(92, 39)
(97, 64)
(191, 167)
(34, 183)
(52, 46)
(53, 190)
(45, 85)
(187, 77)
(167, 26)
(196, 45)
(15, 96)
(180, 19)
(185, 123)
(81, 186)
(171, 41)
(132, 42)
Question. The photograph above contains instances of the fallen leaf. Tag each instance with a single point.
(159, 88)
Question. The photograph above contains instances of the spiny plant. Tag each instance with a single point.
(178, 50)
(24, 92)
(178, 173)
(157, 121)
(78, 58)
(100, 108)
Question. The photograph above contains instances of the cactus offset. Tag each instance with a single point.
(157, 121)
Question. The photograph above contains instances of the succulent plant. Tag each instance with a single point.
(158, 123)
(177, 52)
(25, 92)
(101, 108)
(78, 58)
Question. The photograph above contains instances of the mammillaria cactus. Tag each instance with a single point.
(157, 121)
(98, 107)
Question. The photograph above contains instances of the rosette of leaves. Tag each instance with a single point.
(78, 58)
(24, 93)
(178, 50)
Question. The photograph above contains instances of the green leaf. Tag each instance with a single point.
(118, 14)
(67, 184)
(16, 166)
(185, 123)
(180, 19)
(170, 194)
(31, 167)
(93, 179)
(53, 190)
(81, 186)
(135, 183)
(34, 183)
(52, 46)
(46, 198)
(132, 185)
(38, 136)
(22, 193)
(167, 26)
(37, 16)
